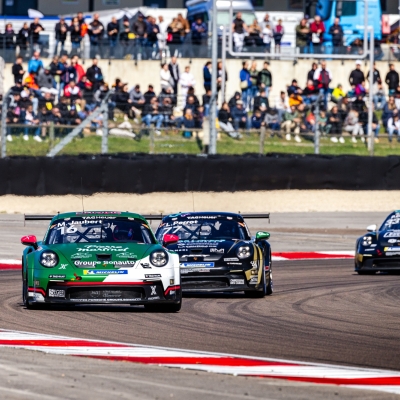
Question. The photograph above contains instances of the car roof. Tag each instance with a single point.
(202, 214)
(123, 214)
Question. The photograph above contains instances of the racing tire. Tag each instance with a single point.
(259, 294)
(270, 285)
(25, 297)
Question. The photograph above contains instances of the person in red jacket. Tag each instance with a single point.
(317, 35)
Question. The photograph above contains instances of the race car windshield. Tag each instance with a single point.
(204, 229)
(391, 222)
(98, 230)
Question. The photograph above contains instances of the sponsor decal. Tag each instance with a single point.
(98, 212)
(152, 276)
(231, 259)
(373, 245)
(202, 216)
(369, 250)
(254, 280)
(197, 265)
(154, 298)
(153, 290)
(236, 281)
(105, 272)
(57, 276)
(394, 253)
(392, 240)
(63, 266)
(81, 255)
(126, 255)
(56, 293)
(392, 249)
(145, 265)
(234, 263)
(253, 264)
(86, 263)
(105, 300)
(392, 234)
(95, 247)
(215, 250)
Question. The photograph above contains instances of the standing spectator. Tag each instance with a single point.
(245, 84)
(356, 76)
(140, 32)
(95, 75)
(9, 36)
(76, 35)
(254, 80)
(125, 37)
(392, 79)
(152, 38)
(254, 34)
(324, 77)
(184, 27)
(264, 79)
(317, 34)
(165, 77)
(336, 31)
(221, 75)
(199, 36)
(80, 72)
(303, 36)
(206, 102)
(18, 70)
(96, 32)
(311, 73)
(173, 67)
(207, 76)
(377, 76)
(186, 81)
(279, 31)
(35, 63)
(61, 30)
(35, 30)
(162, 35)
(239, 28)
(266, 21)
(23, 37)
(267, 35)
(113, 33)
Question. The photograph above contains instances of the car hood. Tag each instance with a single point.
(213, 250)
(102, 251)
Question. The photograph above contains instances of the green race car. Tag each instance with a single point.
(100, 257)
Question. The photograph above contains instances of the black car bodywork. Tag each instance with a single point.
(379, 249)
(217, 253)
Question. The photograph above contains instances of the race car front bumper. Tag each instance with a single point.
(86, 293)
(378, 263)
(234, 282)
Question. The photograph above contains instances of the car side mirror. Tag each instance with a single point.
(371, 228)
(170, 239)
(262, 236)
(29, 240)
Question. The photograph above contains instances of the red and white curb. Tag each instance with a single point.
(277, 256)
(359, 378)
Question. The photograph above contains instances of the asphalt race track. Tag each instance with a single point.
(321, 311)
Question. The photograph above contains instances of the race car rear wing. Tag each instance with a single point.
(150, 217)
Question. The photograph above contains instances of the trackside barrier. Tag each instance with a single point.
(142, 173)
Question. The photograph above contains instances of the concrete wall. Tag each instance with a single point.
(148, 72)
(57, 7)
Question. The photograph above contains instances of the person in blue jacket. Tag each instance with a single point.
(245, 84)
(207, 76)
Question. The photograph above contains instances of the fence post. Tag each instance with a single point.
(152, 144)
(316, 134)
(262, 140)
(104, 137)
(51, 134)
(3, 125)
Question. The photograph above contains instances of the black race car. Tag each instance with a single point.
(379, 249)
(217, 253)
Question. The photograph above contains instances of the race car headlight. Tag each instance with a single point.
(367, 241)
(243, 252)
(159, 258)
(49, 259)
